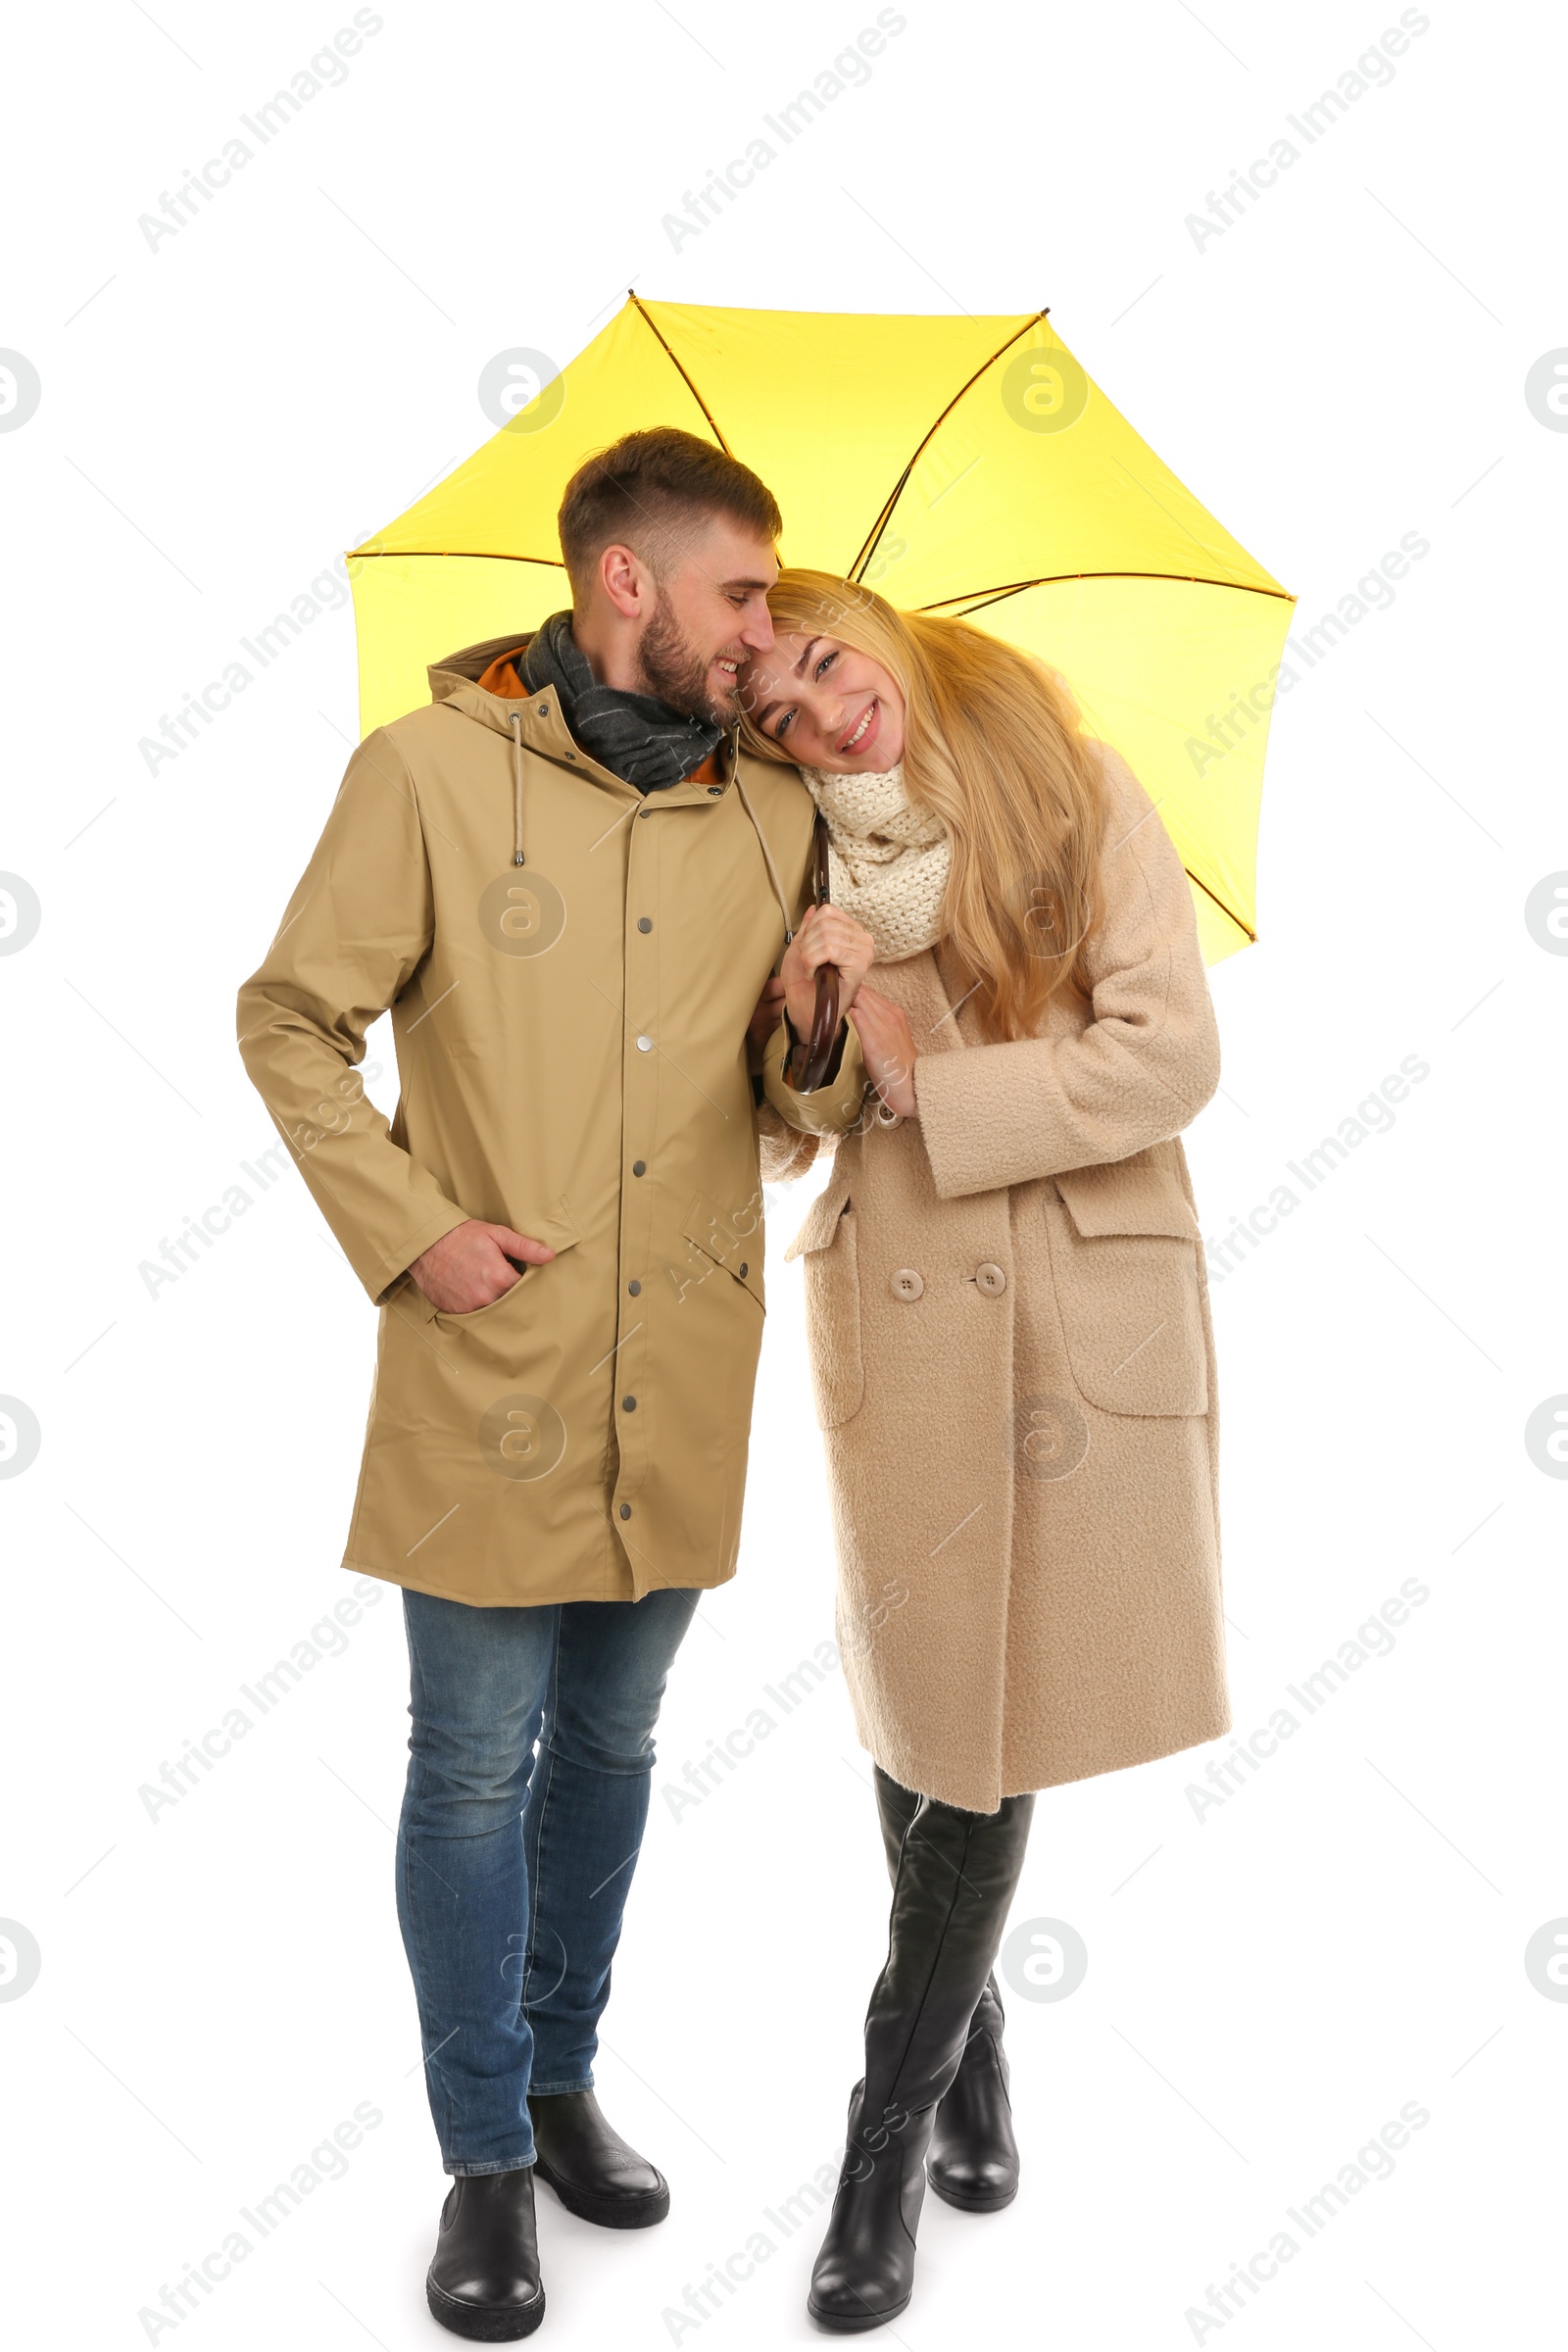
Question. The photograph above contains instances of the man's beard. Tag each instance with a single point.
(675, 673)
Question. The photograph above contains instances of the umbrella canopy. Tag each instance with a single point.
(957, 464)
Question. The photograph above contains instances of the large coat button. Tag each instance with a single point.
(990, 1279)
(907, 1284)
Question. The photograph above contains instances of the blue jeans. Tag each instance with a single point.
(513, 1868)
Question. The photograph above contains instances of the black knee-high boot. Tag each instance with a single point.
(972, 2161)
(954, 1879)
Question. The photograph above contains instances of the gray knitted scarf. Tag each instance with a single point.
(637, 737)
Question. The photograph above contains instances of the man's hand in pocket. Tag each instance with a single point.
(470, 1266)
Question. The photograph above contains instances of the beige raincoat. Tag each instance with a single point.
(571, 1051)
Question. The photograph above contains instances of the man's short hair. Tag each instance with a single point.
(645, 488)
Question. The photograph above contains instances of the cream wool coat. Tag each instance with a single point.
(1013, 1364)
(572, 1056)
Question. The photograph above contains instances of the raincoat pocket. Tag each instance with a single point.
(1124, 1254)
(450, 1321)
(828, 1243)
(722, 1242)
(557, 1229)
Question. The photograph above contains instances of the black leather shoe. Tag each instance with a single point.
(974, 2158)
(864, 2274)
(484, 2283)
(589, 2166)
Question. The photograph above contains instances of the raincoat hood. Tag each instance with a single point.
(454, 682)
(534, 723)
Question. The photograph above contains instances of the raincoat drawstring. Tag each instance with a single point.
(517, 858)
(767, 854)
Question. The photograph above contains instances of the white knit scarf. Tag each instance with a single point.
(887, 862)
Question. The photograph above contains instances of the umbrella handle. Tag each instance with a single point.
(810, 1063)
(818, 1051)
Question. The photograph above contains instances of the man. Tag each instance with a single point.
(570, 890)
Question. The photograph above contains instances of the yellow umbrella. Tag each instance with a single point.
(960, 465)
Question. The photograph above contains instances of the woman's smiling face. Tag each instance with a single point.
(825, 704)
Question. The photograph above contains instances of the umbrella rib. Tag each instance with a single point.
(1049, 579)
(897, 492)
(1220, 904)
(471, 554)
(632, 296)
(997, 595)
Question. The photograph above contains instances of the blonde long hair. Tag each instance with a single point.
(994, 746)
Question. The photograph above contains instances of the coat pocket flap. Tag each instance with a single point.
(719, 1238)
(820, 1225)
(556, 1226)
(1127, 1196)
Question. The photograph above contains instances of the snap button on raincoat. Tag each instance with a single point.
(571, 1053)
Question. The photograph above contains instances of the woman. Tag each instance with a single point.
(1009, 1331)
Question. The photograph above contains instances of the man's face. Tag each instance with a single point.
(711, 617)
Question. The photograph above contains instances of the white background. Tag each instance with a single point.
(1268, 1983)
